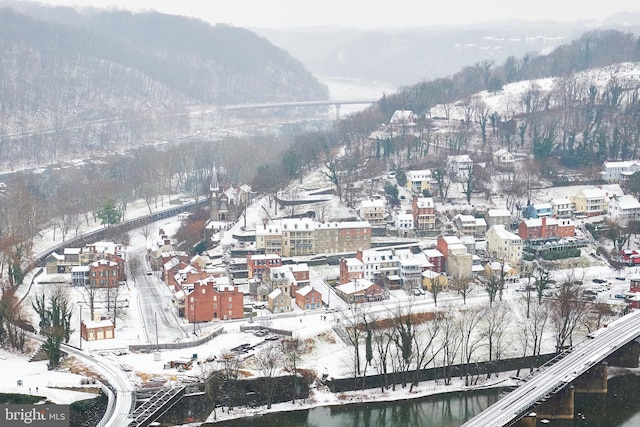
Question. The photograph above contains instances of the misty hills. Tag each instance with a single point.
(406, 56)
(62, 66)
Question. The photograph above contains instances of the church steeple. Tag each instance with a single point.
(214, 187)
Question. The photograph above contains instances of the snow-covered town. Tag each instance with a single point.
(276, 287)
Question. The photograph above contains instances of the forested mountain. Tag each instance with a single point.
(89, 80)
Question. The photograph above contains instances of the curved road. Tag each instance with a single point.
(550, 379)
(120, 404)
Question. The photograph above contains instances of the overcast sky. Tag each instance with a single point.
(369, 13)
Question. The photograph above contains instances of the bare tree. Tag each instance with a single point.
(382, 342)
(269, 362)
(291, 349)
(463, 286)
(496, 319)
(451, 342)
(425, 350)
(567, 310)
(467, 323)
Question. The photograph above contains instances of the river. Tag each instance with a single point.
(619, 408)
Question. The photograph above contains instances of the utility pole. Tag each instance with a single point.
(156, 318)
(80, 326)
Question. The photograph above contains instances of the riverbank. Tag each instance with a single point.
(323, 397)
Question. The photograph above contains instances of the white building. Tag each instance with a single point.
(618, 171)
(373, 211)
(623, 209)
(459, 166)
(504, 245)
(404, 223)
(418, 180)
(562, 208)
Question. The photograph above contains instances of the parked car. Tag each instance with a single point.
(596, 280)
(619, 296)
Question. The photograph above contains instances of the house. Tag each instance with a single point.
(503, 159)
(378, 264)
(502, 269)
(424, 213)
(619, 171)
(373, 211)
(351, 269)
(562, 208)
(468, 225)
(308, 298)
(436, 259)
(410, 268)
(623, 209)
(459, 167)
(300, 273)
(433, 278)
(498, 216)
(269, 238)
(279, 301)
(259, 264)
(404, 223)
(459, 263)
(359, 291)
(80, 275)
(591, 202)
(545, 228)
(418, 180)
(104, 274)
(402, 118)
(281, 278)
(537, 210)
(539, 228)
(503, 244)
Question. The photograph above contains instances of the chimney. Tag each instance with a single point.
(543, 232)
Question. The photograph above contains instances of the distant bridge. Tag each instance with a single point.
(557, 374)
(292, 104)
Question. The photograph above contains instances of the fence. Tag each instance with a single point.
(177, 345)
(244, 328)
(337, 385)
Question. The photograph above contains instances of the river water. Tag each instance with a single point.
(619, 408)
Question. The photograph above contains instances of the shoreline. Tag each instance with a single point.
(327, 398)
(424, 389)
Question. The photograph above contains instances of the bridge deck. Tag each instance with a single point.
(558, 373)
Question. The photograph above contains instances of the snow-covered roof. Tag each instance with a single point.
(304, 291)
(433, 253)
(355, 286)
(424, 202)
(498, 213)
(503, 233)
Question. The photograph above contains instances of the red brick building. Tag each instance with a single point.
(104, 274)
(257, 265)
(543, 228)
(308, 298)
(206, 302)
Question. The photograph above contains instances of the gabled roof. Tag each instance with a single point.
(304, 291)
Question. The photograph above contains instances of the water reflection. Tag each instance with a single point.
(619, 408)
